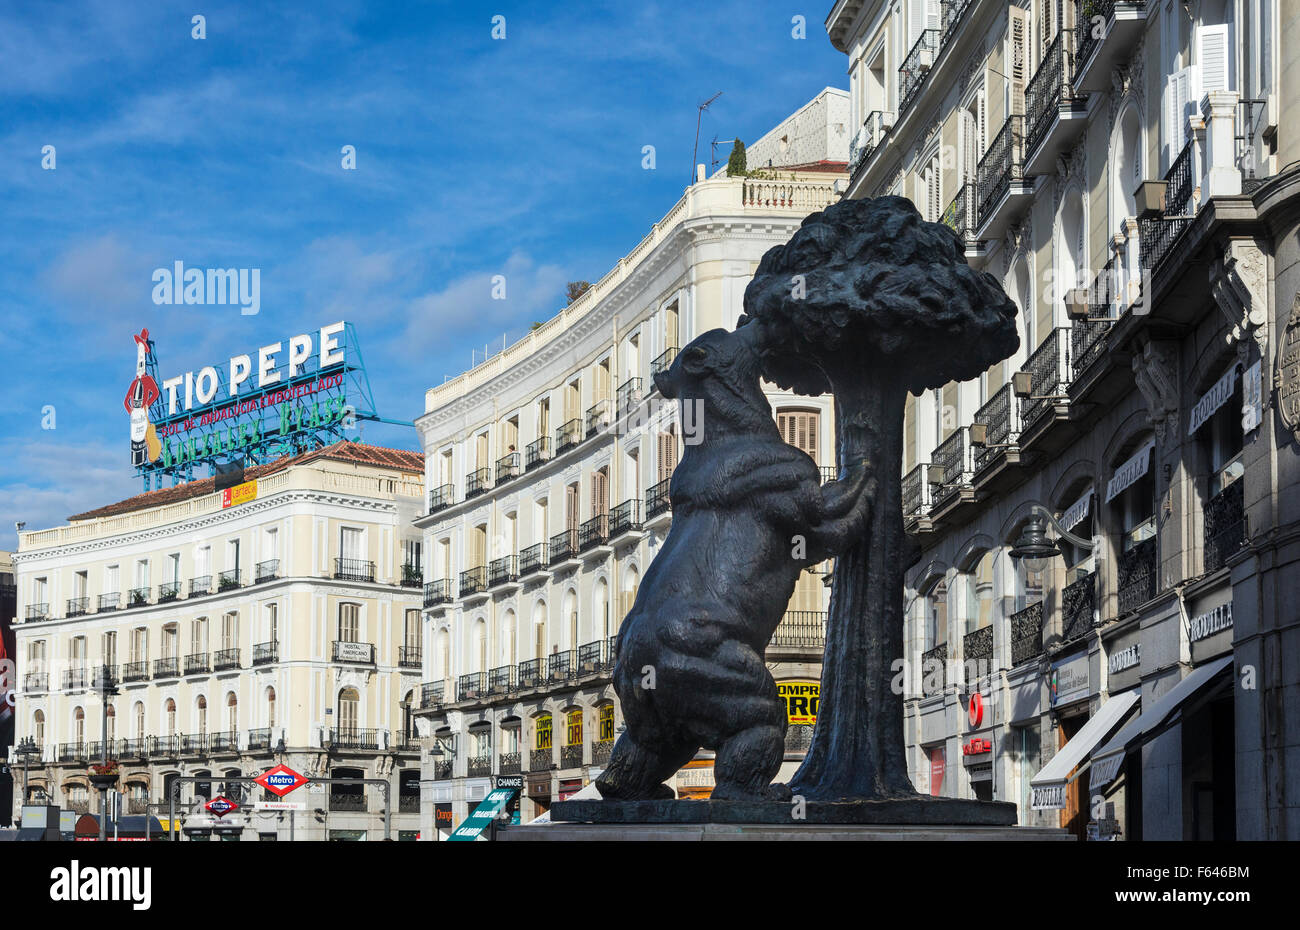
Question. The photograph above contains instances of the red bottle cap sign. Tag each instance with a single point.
(221, 806)
(281, 780)
(976, 709)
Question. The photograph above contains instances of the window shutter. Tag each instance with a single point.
(1018, 57)
(1212, 56)
(667, 455)
(915, 22)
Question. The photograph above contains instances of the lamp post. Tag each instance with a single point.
(1034, 546)
(24, 750)
(104, 780)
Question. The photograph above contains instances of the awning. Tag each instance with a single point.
(1107, 760)
(1130, 471)
(1049, 784)
(1212, 400)
(1078, 511)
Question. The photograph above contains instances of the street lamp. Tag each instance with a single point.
(1034, 546)
(25, 749)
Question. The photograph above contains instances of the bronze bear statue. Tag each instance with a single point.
(749, 514)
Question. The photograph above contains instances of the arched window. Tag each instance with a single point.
(38, 727)
(508, 628)
(979, 594)
(170, 711)
(571, 614)
(270, 707)
(601, 602)
(111, 713)
(79, 725)
(627, 597)
(539, 630)
(202, 715)
(936, 615)
(139, 720)
(232, 714)
(349, 706)
(480, 646)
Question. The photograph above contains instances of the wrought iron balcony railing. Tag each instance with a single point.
(197, 663)
(228, 580)
(625, 518)
(571, 756)
(934, 670)
(559, 665)
(74, 679)
(268, 570)
(1001, 166)
(167, 667)
(471, 686)
(412, 576)
(77, 607)
(168, 591)
(354, 569)
(508, 466)
(533, 559)
(1049, 88)
(568, 435)
(473, 580)
(440, 497)
(137, 597)
(134, 748)
(801, 628)
(590, 658)
(601, 751)
(109, 602)
(962, 216)
(38, 612)
(478, 766)
(1087, 337)
(1225, 525)
(1137, 574)
(509, 763)
(406, 742)
(950, 466)
(868, 138)
(1078, 607)
(1093, 18)
(597, 417)
(226, 741)
(916, 493)
(1158, 233)
(409, 656)
(1179, 184)
(135, 671)
(564, 545)
(537, 452)
(1027, 634)
(73, 752)
(165, 747)
(950, 16)
(1002, 427)
(662, 362)
(478, 482)
(629, 396)
(354, 652)
(355, 738)
(530, 673)
(1049, 375)
(432, 694)
(437, 592)
(193, 744)
(259, 739)
(225, 659)
(266, 653)
(503, 570)
(104, 677)
(350, 802)
(593, 532)
(200, 586)
(34, 682)
(501, 680)
(657, 500)
(977, 645)
(916, 67)
(541, 760)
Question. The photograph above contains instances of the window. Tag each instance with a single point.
(142, 573)
(936, 627)
(140, 645)
(270, 707)
(600, 493)
(1223, 440)
(232, 554)
(172, 568)
(606, 722)
(350, 545)
(110, 719)
(79, 726)
(272, 623)
(139, 720)
(202, 708)
(112, 580)
(110, 648)
(411, 633)
(573, 727)
(171, 717)
(349, 623)
(480, 743)
(199, 636)
(230, 630)
(38, 727)
(1137, 512)
(543, 728)
(667, 454)
(510, 740)
(232, 713)
(349, 703)
(203, 562)
(979, 594)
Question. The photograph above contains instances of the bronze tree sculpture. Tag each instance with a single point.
(870, 302)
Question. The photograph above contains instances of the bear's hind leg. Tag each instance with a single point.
(746, 763)
(637, 773)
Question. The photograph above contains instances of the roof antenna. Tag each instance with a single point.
(700, 116)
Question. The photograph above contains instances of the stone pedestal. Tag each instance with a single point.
(806, 832)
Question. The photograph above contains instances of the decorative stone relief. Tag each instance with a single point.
(1155, 369)
(1287, 374)
(1239, 283)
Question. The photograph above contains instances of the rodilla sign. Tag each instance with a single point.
(299, 393)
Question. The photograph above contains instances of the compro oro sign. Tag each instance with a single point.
(801, 700)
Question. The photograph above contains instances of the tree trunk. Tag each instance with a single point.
(857, 746)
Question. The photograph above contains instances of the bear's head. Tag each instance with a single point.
(720, 370)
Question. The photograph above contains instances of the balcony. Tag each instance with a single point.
(259, 739)
(564, 546)
(1106, 32)
(601, 751)
(593, 532)
(193, 744)
(477, 482)
(962, 217)
(1225, 525)
(1054, 113)
(537, 453)
(73, 752)
(197, 664)
(35, 682)
(531, 673)
(225, 659)
(509, 763)
(591, 658)
(1087, 336)
(354, 570)
(559, 665)
(977, 646)
(77, 607)
(412, 576)
(541, 760)
(1000, 180)
(916, 67)
(405, 742)
(504, 570)
(934, 670)
(169, 667)
(441, 497)
(164, 747)
(268, 570)
(229, 580)
(801, 628)
(266, 653)
(168, 591)
(625, 518)
(568, 436)
(1049, 376)
(432, 694)
(875, 127)
(200, 586)
(1158, 233)
(104, 677)
(1001, 430)
(657, 501)
(1137, 575)
(409, 656)
(598, 417)
(355, 739)
(1027, 634)
(950, 470)
(353, 652)
(628, 396)
(478, 766)
(473, 581)
(223, 743)
(571, 756)
(508, 466)
(662, 362)
(108, 602)
(74, 679)
(950, 15)
(437, 592)
(135, 671)
(501, 680)
(1078, 607)
(471, 686)
(532, 560)
(137, 597)
(348, 802)
(133, 749)
(916, 494)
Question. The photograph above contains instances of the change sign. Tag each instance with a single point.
(487, 809)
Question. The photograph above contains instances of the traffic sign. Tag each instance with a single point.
(221, 805)
(281, 780)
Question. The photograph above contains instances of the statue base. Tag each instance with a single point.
(921, 810)
(732, 832)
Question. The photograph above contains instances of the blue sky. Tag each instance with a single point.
(475, 157)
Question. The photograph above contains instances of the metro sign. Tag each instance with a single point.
(281, 780)
(221, 805)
